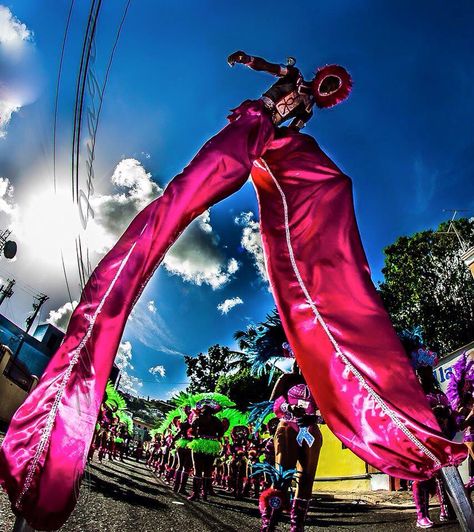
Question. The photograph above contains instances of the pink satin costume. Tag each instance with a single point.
(341, 335)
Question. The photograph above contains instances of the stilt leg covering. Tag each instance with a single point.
(334, 319)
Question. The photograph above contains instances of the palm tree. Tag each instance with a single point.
(262, 343)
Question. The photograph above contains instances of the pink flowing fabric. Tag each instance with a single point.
(44, 453)
(341, 335)
(335, 322)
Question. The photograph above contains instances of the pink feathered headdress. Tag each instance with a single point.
(324, 101)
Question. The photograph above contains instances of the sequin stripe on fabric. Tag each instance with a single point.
(376, 397)
(46, 433)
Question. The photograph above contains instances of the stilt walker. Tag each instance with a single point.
(335, 322)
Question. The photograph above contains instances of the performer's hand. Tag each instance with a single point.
(238, 57)
(297, 411)
(306, 420)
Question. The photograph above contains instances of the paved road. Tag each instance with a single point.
(126, 497)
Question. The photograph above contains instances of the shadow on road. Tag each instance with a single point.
(121, 488)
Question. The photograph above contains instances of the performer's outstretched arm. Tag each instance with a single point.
(256, 63)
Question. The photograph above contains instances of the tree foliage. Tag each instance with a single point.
(205, 369)
(427, 284)
(244, 388)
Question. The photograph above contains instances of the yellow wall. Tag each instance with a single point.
(335, 461)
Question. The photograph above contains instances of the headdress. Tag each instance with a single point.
(208, 403)
(419, 353)
(325, 100)
(113, 399)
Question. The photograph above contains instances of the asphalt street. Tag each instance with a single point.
(127, 497)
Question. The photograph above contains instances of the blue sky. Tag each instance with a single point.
(405, 137)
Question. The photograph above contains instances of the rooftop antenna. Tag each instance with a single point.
(452, 231)
(467, 252)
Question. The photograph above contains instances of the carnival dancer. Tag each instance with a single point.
(119, 442)
(253, 478)
(460, 392)
(423, 361)
(227, 459)
(298, 441)
(155, 451)
(269, 446)
(238, 463)
(207, 430)
(169, 468)
(330, 310)
(183, 453)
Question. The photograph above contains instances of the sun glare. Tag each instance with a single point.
(48, 225)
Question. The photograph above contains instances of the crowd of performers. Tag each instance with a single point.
(271, 452)
(259, 454)
(113, 436)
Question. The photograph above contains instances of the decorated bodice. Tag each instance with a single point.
(298, 396)
(289, 97)
(209, 428)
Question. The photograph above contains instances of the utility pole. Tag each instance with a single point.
(40, 300)
(6, 291)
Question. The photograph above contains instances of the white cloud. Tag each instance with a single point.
(204, 222)
(197, 257)
(7, 201)
(123, 360)
(60, 318)
(158, 370)
(175, 391)
(114, 212)
(232, 266)
(229, 304)
(251, 241)
(130, 384)
(13, 33)
(150, 329)
(7, 108)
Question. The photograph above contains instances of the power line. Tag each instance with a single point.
(58, 82)
(81, 86)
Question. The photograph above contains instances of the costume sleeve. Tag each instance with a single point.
(453, 390)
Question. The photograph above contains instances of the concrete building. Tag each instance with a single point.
(19, 374)
(37, 348)
(141, 429)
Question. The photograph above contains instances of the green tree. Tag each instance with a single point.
(205, 369)
(244, 388)
(427, 284)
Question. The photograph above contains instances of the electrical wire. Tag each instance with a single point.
(58, 82)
